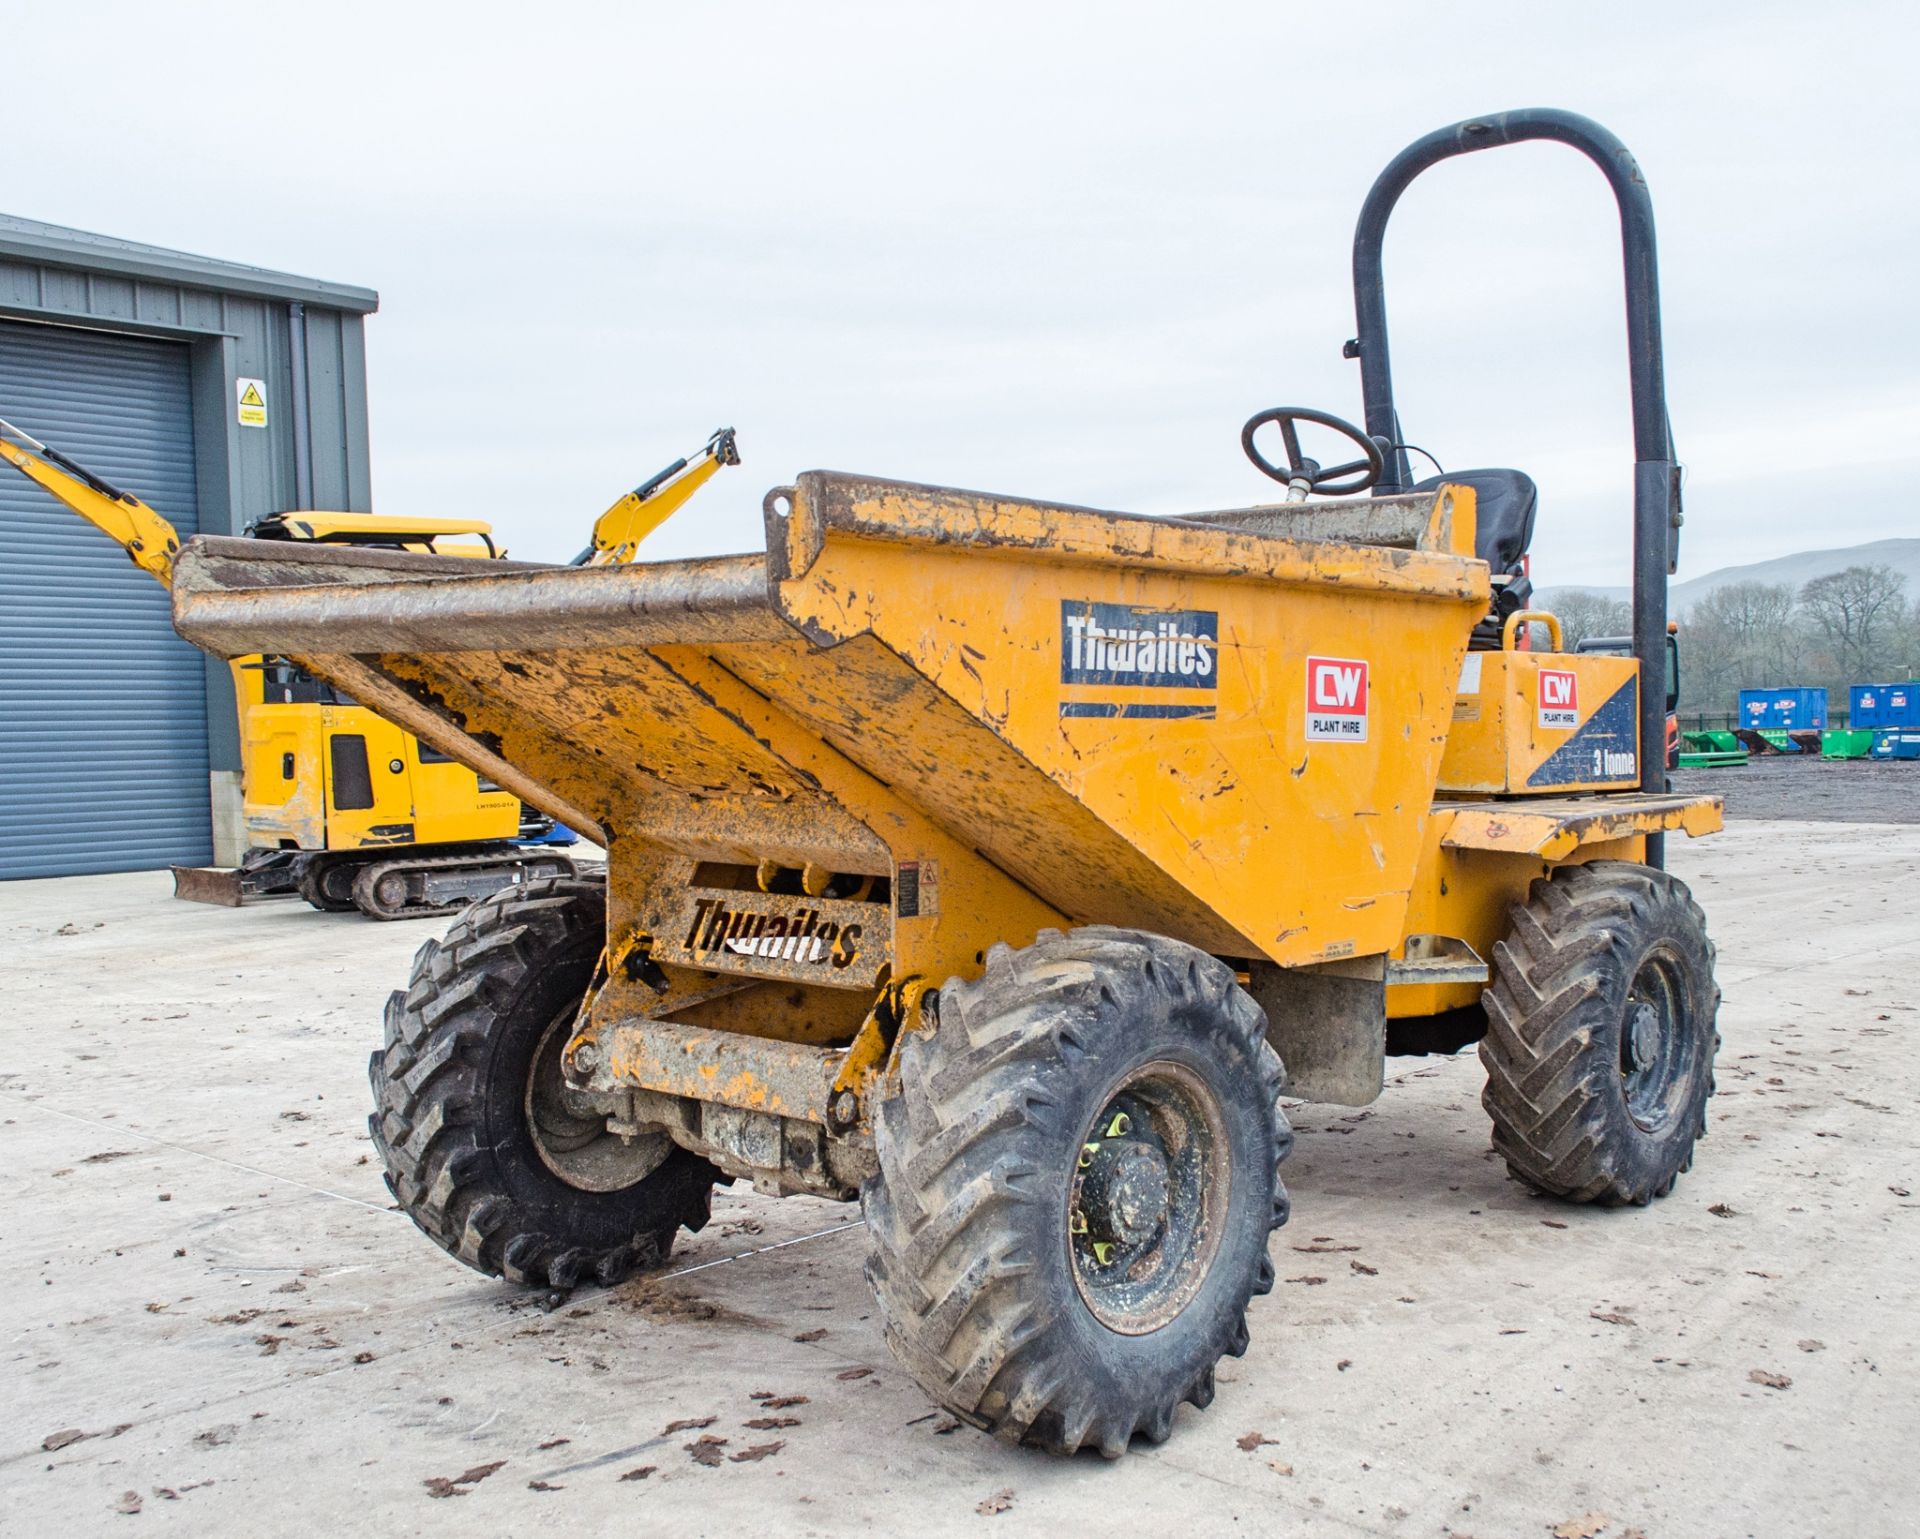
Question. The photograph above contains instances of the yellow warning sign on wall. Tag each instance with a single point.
(252, 397)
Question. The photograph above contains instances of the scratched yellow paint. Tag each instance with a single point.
(1303, 849)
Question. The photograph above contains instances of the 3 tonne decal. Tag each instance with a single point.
(1123, 647)
(1337, 700)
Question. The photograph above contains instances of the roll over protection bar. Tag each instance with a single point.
(1656, 479)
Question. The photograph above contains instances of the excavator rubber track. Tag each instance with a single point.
(420, 887)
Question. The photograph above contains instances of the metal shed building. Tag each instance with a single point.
(118, 747)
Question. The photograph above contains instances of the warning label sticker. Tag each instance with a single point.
(251, 395)
(1336, 700)
(916, 889)
(1559, 698)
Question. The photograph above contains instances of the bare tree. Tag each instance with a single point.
(1859, 616)
(1584, 614)
(1850, 627)
(1740, 636)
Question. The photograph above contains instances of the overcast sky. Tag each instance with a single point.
(1045, 250)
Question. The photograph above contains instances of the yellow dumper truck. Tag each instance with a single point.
(1001, 864)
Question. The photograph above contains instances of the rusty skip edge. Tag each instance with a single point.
(231, 599)
(241, 562)
(1244, 543)
(716, 599)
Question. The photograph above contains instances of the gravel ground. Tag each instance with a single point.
(215, 1319)
(1812, 789)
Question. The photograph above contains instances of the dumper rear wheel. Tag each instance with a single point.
(481, 1148)
(1601, 1034)
(1077, 1182)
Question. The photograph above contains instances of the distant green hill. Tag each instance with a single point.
(1903, 555)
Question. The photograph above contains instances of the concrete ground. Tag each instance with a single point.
(213, 1317)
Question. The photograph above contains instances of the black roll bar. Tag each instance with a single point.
(1656, 478)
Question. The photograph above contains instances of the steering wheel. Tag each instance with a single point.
(1303, 475)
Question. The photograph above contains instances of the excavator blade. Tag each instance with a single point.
(209, 884)
(263, 874)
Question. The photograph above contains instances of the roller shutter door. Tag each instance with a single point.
(103, 717)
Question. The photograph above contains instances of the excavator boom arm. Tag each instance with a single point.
(618, 531)
(143, 534)
(152, 543)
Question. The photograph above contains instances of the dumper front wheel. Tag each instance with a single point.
(1601, 1034)
(1077, 1181)
(482, 1149)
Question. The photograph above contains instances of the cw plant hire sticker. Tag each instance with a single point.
(1559, 698)
(1337, 699)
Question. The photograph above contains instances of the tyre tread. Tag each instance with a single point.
(960, 1149)
(1558, 1120)
(428, 1080)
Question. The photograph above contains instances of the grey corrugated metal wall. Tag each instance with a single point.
(228, 321)
(103, 710)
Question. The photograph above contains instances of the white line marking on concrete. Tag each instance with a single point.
(117, 1130)
(818, 1234)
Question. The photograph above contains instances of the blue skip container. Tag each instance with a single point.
(1884, 705)
(1784, 709)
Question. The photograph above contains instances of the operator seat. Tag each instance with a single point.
(1506, 501)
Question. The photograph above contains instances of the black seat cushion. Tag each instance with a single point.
(1506, 501)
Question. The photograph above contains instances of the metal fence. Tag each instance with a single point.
(1728, 721)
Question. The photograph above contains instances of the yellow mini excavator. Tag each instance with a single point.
(341, 806)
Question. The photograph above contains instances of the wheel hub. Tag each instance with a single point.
(1123, 1194)
(571, 1136)
(1654, 1037)
(1643, 1037)
(1148, 1189)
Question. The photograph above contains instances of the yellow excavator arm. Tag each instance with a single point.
(152, 542)
(143, 534)
(618, 531)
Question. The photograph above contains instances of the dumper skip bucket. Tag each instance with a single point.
(1185, 724)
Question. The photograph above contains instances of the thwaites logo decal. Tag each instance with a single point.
(1337, 705)
(1559, 698)
(1124, 647)
(802, 936)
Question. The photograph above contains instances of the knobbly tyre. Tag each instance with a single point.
(984, 860)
